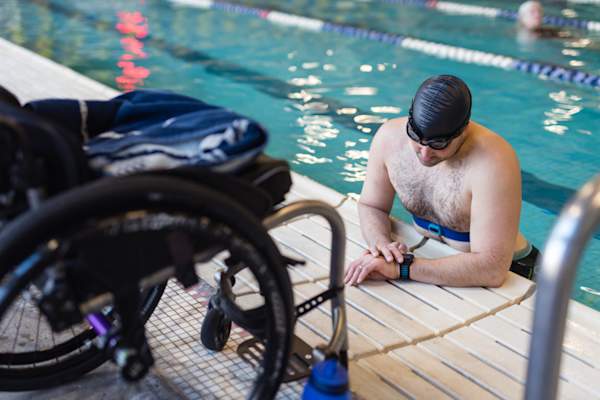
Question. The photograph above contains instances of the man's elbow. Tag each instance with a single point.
(497, 279)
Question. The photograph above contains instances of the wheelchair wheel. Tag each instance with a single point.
(145, 202)
(50, 359)
(215, 329)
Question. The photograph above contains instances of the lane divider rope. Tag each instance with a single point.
(439, 50)
(491, 12)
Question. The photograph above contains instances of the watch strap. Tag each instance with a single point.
(404, 267)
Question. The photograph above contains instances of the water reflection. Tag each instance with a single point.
(355, 170)
(361, 91)
(564, 112)
(133, 26)
(317, 129)
(304, 95)
(310, 80)
(386, 109)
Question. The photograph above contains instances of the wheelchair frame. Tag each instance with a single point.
(131, 362)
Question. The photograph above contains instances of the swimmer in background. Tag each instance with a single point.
(530, 23)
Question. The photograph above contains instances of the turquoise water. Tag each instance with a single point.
(322, 96)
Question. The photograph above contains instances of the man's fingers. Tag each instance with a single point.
(397, 254)
(354, 277)
(374, 251)
(350, 272)
(387, 254)
(365, 271)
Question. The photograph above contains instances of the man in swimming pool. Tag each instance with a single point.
(461, 182)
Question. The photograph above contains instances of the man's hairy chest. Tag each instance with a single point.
(435, 193)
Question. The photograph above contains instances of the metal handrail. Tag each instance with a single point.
(338, 343)
(574, 227)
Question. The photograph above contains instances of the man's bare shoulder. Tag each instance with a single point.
(392, 133)
(492, 153)
(491, 144)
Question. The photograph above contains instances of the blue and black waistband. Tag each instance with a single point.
(442, 230)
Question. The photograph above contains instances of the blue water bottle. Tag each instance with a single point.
(328, 381)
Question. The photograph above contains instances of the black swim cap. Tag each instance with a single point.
(441, 107)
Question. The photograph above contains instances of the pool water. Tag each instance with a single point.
(322, 96)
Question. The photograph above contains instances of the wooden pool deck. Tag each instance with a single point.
(407, 339)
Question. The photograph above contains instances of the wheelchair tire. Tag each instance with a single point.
(215, 330)
(71, 363)
(109, 197)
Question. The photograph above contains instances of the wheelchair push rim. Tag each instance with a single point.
(121, 195)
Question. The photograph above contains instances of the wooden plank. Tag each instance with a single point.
(207, 271)
(321, 235)
(360, 323)
(321, 323)
(353, 232)
(368, 385)
(572, 369)
(308, 335)
(515, 288)
(505, 360)
(306, 247)
(584, 319)
(574, 342)
(473, 368)
(529, 302)
(250, 301)
(432, 248)
(291, 197)
(483, 298)
(443, 300)
(422, 312)
(440, 374)
(487, 349)
(405, 232)
(310, 189)
(402, 376)
(580, 318)
(407, 327)
(349, 211)
(310, 271)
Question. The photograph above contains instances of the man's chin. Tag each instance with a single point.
(430, 162)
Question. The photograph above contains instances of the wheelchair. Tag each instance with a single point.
(88, 258)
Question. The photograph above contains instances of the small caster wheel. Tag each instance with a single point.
(133, 366)
(215, 330)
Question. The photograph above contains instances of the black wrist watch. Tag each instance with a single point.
(404, 267)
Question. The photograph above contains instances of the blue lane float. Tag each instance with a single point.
(491, 12)
(440, 50)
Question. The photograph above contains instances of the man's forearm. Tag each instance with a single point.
(374, 224)
(469, 269)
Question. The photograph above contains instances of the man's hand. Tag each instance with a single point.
(368, 266)
(389, 250)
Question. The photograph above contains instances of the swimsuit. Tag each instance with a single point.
(523, 262)
(441, 230)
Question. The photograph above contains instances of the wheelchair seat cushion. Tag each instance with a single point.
(147, 130)
(259, 187)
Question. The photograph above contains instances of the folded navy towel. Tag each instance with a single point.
(150, 129)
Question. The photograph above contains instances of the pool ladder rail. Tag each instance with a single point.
(575, 226)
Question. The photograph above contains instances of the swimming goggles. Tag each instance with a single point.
(439, 143)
